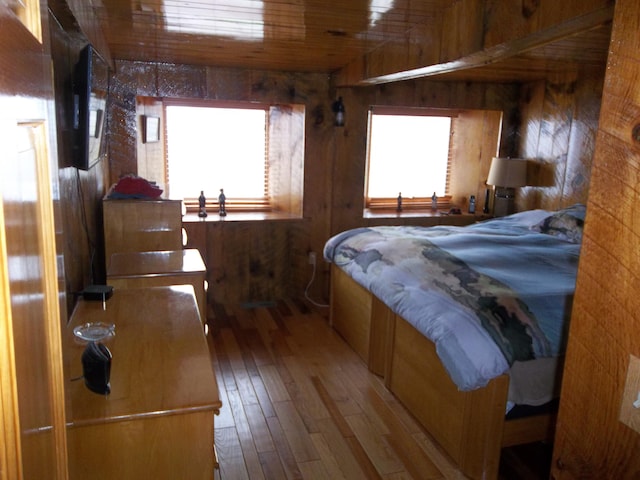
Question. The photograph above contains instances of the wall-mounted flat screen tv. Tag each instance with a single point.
(90, 91)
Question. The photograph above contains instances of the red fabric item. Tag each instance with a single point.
(137, 186)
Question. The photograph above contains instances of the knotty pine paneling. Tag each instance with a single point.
(590, 441)
(286, 172)
(247, 261)
(243, 280)
(351, 140)
(557, 115)
(548, 13)
(554, 128)
(347, 196)
(462, 29)
(473, 150)
(334, 157)
(423, 46)
(494, 40)
(557, 128)
(505, 21)
(582, 139)
(334, 165)
(519, 23)
(373, 39)
(311, 36)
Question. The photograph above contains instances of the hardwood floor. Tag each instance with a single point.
(298, 403)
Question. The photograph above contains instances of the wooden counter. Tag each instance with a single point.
(158, 421)
(160, 268)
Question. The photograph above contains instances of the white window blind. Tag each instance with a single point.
(408, 154)
(209, 148)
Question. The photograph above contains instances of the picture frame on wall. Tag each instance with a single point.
(151, 129)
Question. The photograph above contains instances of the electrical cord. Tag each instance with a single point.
(83, 220)
(306, 290)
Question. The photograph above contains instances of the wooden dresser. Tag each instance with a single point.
(141, 226)
(158, 420)
(161, 268)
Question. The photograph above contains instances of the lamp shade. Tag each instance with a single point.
(507, 172)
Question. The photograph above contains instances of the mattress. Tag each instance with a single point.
(491, 295)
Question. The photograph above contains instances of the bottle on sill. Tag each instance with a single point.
(472, 204)
(222, 204)
(202, 202)
(434, 201)
(399, 206)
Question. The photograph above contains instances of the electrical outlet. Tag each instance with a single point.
(312, 258)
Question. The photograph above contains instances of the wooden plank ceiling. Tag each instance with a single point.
(290, 35)
(311, 36)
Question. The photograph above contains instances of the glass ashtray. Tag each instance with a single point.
(92, 332)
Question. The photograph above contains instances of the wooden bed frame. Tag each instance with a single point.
(470, 426)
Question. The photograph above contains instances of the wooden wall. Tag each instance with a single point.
(558, 123)
(246, 261)
(257, 262)
(555, 124)
(551, 122)
(351, 140)
(472, 33)
(591, 442)
(335, 159)
(80, 223)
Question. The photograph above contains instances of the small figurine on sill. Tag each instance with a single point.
(399, 207)
(202, 201)
(221, 202)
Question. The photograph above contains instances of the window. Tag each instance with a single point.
(255, 152)
(28, 11)
(408, 154)
(209, 148)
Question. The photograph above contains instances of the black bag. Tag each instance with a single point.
(96, 368)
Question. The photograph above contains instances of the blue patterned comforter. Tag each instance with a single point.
(487, 294)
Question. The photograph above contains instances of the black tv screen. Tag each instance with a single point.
(90, 90)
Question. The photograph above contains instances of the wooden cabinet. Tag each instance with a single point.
(161, 268)
(141, 226)
(158, 420)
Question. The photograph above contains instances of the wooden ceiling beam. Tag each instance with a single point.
(463, 42)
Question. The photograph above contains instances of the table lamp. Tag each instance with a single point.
(505, 174)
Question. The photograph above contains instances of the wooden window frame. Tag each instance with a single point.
(384, 204)
(28, 11)
(232, 204)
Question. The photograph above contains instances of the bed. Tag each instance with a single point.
(467, 325)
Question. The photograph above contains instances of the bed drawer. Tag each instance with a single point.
(361, 319)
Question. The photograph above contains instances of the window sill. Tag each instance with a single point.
(417, 214)
(240, 217)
